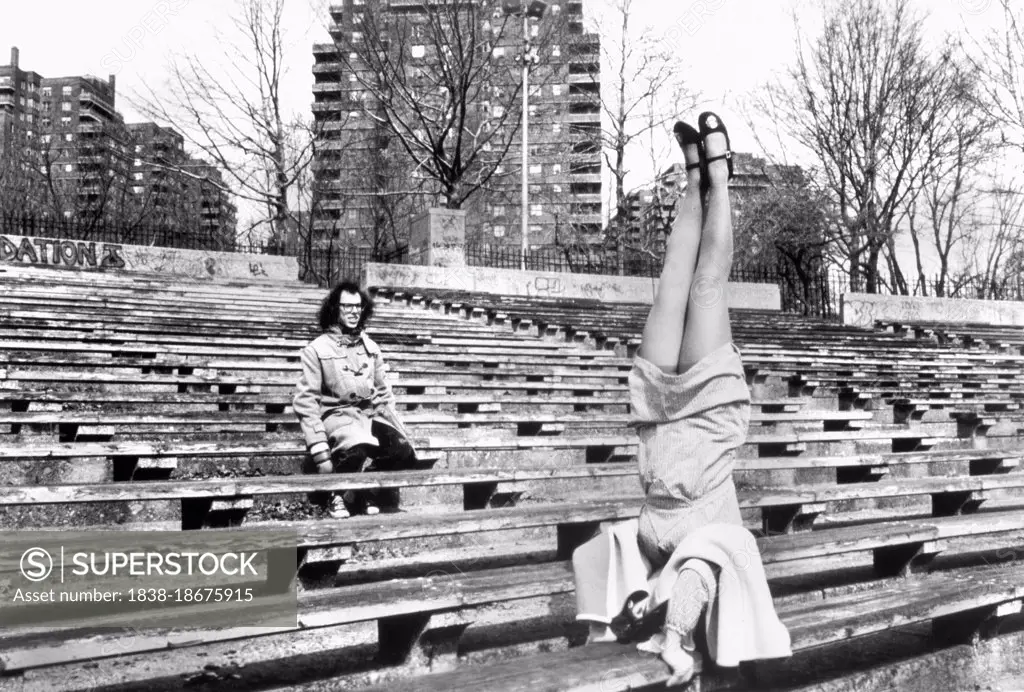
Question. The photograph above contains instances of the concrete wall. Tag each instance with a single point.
(115, 257)
(862, 309)
(512, 282)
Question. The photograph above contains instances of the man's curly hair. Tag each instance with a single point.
(330, 313)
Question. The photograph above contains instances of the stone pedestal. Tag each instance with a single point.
(437, 238)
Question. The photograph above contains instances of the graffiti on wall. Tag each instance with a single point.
(67, 253)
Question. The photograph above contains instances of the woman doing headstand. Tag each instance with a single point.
(691, 409)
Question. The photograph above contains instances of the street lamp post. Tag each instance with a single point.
(534, 9)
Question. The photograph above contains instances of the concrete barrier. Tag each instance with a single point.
(116, 257)
(512, 282)
(863, 309)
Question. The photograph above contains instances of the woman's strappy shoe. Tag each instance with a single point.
(709, 123)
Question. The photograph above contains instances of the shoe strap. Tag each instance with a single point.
(726, 156)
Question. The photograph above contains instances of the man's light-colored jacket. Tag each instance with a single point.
(343, 387)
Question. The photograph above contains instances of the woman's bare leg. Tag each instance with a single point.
(663, 333)
(707, 314)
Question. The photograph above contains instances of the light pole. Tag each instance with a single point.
(535, 9)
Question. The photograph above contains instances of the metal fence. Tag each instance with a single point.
(104, 231)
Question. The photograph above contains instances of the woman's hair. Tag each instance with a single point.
(330, 312)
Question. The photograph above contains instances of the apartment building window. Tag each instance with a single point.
(533, 110)
(46, 91)
(557, 189)
(46, 138)
(498, 52)
(556, 169)
(419, 51)
(357, 37)
(29, 117)
(69, 137)
(536, 209)
(138, 162)
(68, 167)
(66, 91)
(556, 51)
(5, 81)
(137, 189)
(65, 105)
(556, 89)
(536, 169)
(497, 210)
(498, 111)
(138, 148)
(534, 30)
(65, 121)
(352, 77)
(45, 122)
(499, 231)
(556, 129)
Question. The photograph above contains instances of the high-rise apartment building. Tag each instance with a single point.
(90, 164)
(83, 142)
(19, 105)
(158, 159)
(218, 215)
(176, 190)
(357, 161)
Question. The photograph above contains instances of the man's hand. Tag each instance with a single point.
(321, 454)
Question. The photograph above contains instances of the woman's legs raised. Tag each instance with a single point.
(707, 313)
(663, 333)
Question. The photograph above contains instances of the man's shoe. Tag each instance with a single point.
(337, 509)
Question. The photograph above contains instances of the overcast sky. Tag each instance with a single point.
(730, 46)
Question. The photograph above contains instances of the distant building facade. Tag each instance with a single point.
(652, 209)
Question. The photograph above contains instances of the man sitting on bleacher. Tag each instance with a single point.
(344, 403)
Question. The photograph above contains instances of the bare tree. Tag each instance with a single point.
(999, 59)
(640, 92)
(863, 98)
(940, 217)
(992, 254)
(232, 111)
(787, 228)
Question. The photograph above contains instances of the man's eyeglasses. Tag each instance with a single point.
(350, 307)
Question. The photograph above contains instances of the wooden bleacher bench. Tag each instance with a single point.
(414, 613)
(957, 609)
(854, 525)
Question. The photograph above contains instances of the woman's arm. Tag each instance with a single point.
(306, 404)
